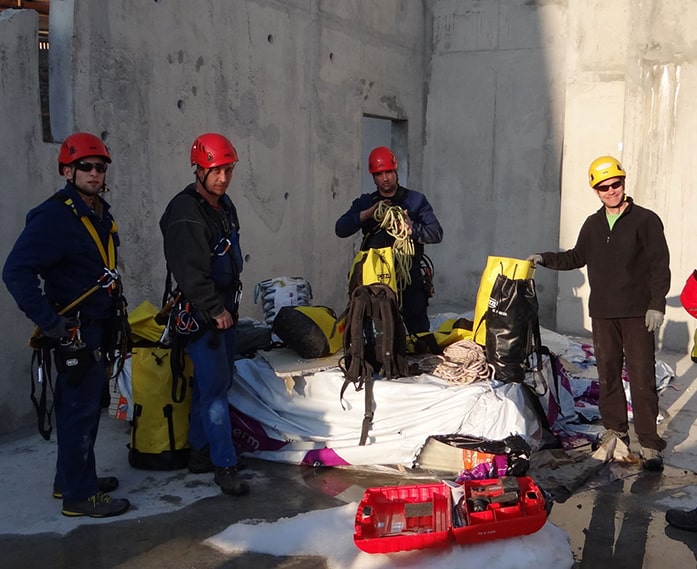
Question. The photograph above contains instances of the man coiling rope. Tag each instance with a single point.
(393, 219)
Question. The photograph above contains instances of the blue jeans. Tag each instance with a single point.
(213, 356)
(78, 408)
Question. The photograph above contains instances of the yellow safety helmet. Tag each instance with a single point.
(604, 168)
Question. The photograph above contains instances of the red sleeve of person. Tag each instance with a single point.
(688, 296)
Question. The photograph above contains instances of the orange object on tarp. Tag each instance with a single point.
(402, 518)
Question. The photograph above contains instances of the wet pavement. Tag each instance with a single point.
(615, 519)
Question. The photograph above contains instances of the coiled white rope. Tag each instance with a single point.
(462, 362)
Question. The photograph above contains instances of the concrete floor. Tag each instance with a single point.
(616, 519)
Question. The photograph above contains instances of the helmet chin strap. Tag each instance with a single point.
(203, 182)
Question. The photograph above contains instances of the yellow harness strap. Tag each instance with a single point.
(108, 255)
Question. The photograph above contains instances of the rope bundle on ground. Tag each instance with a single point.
(462, 362)
(393, 220)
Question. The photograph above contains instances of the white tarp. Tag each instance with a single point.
(300, 420)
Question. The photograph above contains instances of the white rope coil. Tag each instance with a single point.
(463, 361)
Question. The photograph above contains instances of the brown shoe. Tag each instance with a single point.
(651, 459)
(230, 482)
(200, 460)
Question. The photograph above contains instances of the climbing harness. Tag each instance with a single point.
(73, 353)
(183, 321)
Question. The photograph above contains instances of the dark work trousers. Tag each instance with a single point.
(78, 406)
(415, 306)
(213, 356)
(613, 341)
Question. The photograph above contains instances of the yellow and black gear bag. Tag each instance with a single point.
(373, 266)
(161, 403)
(450, 331)
(495, 266)
(311, 331)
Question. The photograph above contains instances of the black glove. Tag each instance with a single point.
(63, 328)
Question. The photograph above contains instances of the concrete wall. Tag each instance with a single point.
(630, 83)
(288, 81)
(500, 104)
(493, 144)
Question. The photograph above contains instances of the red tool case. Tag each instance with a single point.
(399, 518)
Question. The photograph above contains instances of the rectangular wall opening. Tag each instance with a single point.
(378, 131)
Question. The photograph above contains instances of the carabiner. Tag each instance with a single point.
(222, 247)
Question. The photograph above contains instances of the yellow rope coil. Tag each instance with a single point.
(392, 219)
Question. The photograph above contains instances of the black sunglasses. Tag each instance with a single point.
(614, 186)
(88, 166)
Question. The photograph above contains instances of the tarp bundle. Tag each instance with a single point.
(303, 424)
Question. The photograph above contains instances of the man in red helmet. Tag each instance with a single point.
(422, 226)
(202, 248)
(70, 242)
(625, 250)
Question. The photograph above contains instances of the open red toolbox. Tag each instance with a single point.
(400, 518)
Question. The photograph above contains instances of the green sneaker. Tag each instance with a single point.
(97, 506)
(104, 485)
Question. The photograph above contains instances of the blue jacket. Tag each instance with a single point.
(425, 226)
(56, 246)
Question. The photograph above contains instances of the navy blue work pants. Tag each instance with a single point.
(415, 306)
(213, 356)
(78, 407)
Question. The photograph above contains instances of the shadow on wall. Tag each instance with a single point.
(679, 335)
(571, 304)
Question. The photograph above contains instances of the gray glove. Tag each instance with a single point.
(536, 259)
(62, 329)
(653, 319)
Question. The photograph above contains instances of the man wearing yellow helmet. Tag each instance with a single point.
(625, 250)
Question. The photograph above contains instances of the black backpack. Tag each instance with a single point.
(374, 342)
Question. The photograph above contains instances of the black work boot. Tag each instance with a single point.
(200, 460)
(683, 519)
(104, 485)
(230, 482)
(97, 506)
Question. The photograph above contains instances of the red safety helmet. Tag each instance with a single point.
(688, 296)
(210, 150)
(81, 145)
(381, 159)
